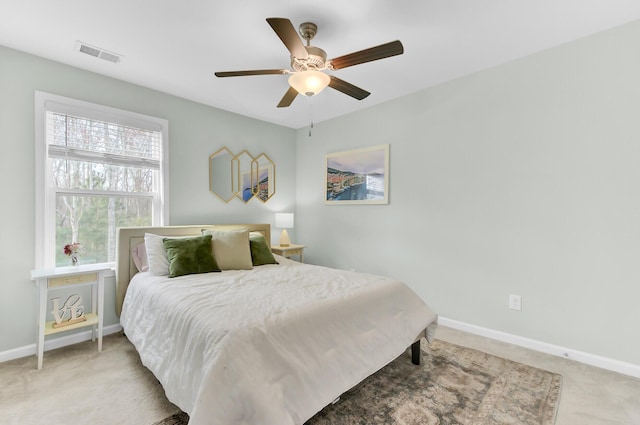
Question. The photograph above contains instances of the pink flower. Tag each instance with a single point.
(72, 248)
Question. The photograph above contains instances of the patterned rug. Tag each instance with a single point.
(453, 386)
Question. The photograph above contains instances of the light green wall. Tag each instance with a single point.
(195, 132)
(521, 179)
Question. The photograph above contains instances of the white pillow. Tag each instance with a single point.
(231, 249)
(156, 254)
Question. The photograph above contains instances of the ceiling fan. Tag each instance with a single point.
(308, 63)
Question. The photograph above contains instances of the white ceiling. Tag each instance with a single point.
(175, 46)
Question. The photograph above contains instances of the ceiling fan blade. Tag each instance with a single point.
(288, 98)
(289, 36)
(348, 88)
(374, 53)
(253, 72)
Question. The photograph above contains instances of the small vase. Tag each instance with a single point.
(74, 260)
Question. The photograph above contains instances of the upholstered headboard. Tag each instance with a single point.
(129, 237)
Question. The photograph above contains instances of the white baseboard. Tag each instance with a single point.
(53, 343)
(556, 350)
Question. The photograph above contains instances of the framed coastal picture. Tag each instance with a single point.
(359, 176)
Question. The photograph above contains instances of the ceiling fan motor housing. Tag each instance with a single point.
(316, 60)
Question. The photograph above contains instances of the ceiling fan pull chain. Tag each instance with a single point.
(310, 115)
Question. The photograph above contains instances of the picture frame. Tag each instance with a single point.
(358, 176)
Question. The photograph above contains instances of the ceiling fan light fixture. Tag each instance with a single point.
(309, 83)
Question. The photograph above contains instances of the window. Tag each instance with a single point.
(97, 169)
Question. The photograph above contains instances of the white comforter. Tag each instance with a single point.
(272, 345)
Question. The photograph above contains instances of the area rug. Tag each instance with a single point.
(454, 385)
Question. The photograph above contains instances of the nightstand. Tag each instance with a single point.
(66, 277)
(289, 251)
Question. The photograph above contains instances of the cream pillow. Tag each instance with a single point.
(156, 254)
(231, 249)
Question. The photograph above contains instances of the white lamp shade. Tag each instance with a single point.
(284, 220)
(309, 83)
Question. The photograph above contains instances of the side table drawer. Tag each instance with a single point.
(73, 280)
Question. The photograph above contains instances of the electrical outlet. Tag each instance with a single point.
(515, 302)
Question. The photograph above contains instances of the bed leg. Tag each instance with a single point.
(415, 353)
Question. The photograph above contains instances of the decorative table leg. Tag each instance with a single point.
(42, 315)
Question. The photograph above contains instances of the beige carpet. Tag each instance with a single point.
(79, 386)
(453, 385)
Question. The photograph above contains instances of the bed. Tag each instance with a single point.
(269, 344)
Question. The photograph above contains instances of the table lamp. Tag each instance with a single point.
(284, 221)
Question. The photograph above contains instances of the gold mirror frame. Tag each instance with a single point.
(263, 177)
(221, 174)
(241, 176)
(243, 183)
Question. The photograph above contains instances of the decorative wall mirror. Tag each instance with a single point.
(263, 177)
(243, 185)
(241, 176)
(221, 174)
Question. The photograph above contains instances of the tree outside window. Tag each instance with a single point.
(101, 174)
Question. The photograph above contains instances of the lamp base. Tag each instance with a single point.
(284, 238)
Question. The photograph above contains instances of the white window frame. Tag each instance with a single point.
(46, 195)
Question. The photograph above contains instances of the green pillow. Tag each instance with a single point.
(260, 252)
(190, 255)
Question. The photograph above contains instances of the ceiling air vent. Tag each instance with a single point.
(97, 52)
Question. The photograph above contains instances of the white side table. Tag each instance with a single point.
(65, 277)
(289, 251)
